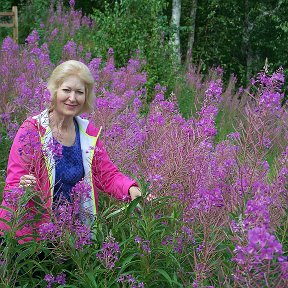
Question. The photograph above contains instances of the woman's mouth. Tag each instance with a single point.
(71, 105)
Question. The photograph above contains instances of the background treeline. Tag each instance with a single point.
(237, 35)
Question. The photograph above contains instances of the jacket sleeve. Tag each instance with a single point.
(22, 154)
(107, 177)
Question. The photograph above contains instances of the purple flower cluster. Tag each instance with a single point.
(261, 247)
(110, 253)
(257, 213)
(59, 279)
(12, 198)
(130, 280)
(144, 245)
(177, 156)
(213, 93)
(83, 235)
(54, 148)
(181, 240)
(67, 217)
(270, 92)
(49, 231)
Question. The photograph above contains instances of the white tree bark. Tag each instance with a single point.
(175, 23)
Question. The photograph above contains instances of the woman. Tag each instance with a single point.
(56, 149)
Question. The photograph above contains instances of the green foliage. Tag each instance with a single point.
(238, 35)
(30, 14)
(218, 37)
(31, 11)
(140, 227)
(5, 6)
(132, 25)
(185, 98)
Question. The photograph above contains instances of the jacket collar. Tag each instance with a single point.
(43, 120)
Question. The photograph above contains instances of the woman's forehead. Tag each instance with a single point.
(73, 81)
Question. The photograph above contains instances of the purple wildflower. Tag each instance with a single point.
(49, 231)
(83, 233)
(50, 279)
(109, 253)
(13, 197)
(61, 279)
(55, 148)
(130, 280)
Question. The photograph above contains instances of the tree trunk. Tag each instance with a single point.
(175, 23)
(247, 46)
(191, 36)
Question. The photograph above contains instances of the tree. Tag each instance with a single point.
(175, 23)
(191, 36)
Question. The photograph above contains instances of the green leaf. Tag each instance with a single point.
(165, 275)
(133, 205)
(6, 222)
(92, 280)
(127, 262)
(7, 209)
(118, 211)
(26, 253)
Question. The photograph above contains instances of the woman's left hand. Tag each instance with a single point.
(134, 192)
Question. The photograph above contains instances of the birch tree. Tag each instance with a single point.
(175, 23)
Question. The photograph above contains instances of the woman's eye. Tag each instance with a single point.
(66, 90)
(80, 92)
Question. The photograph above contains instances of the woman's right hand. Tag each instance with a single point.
(27, 181)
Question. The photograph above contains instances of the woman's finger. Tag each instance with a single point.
(27, 180)
(28, 177)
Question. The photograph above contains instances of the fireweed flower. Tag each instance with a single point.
(261, 246)
(157, 159)
(59, 279)
(67, 216)
(130, 280)
(72, 3)
(213, 93)
(83, 234)
(257, 213)
(189, 235)
(144, 245)
(200, 247)
(50, 279)
(49, 231)
(138, 239)
(109, 253)
(13, 197)
(235, 227)
(55, 148)
(33, 38)
(70, 50)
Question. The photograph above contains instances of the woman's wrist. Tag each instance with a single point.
(134, 192)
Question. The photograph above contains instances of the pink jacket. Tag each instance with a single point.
(29, 155)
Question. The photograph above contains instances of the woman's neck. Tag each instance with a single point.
(59, 122)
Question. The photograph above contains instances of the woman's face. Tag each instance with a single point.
(70, 97)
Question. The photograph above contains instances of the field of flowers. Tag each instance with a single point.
(218, 176)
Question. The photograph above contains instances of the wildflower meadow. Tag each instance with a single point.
(212, 157)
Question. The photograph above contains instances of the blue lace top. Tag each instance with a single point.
(69, 169)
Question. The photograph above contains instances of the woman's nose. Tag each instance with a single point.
(72, 96)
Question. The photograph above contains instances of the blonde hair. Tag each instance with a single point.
(71, 68)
